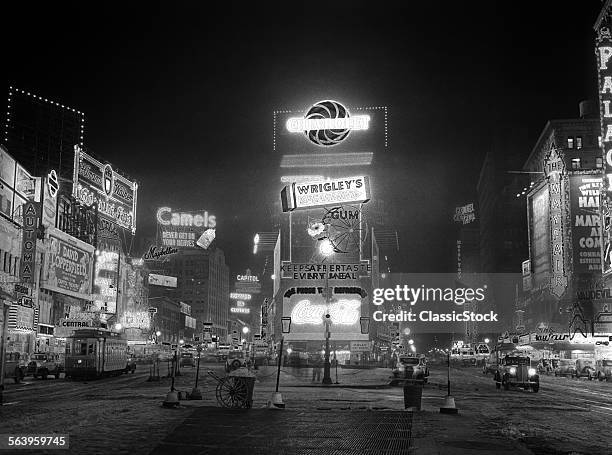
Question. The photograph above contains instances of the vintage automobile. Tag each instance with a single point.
(44, 364)
(235, 360)
(410, 367)
(491, 364)
(603, 370)
(516, 371)
(585, 368)
(15, 366)
(566, 367)
(187, 359)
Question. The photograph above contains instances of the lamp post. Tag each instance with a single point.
(196, 394)
(326, 249)
(364, 325)
(5, 310)
(178, 357)
(277, 398)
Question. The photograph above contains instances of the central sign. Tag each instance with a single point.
(327, 123)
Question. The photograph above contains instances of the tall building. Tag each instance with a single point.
(564, 228)
(202, 283)
(503, 222)
(41, 133)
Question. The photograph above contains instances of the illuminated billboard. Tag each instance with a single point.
(307, 309)
(68, 265)
(179, 229)
(603, 50)
(162, 280)
(313, 194)
(539, 221)
(105, 281)
(330, 125)
(97, 183)
(16, 187)
(586, 229)
(554, 169)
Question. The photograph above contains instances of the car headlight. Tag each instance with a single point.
(532, 371)
(512, 370)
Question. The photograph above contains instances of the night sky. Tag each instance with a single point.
(181, 97)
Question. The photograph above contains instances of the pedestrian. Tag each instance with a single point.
(316, 369)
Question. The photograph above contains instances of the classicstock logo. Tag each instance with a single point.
(327, 123)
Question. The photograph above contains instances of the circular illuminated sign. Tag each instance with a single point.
(327, 123)
(327, 109)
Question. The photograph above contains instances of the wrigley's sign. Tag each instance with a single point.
(323, 193)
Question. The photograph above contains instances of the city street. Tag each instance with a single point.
(351, 228)
(127, 411)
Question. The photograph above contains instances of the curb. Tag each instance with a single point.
(340, 386)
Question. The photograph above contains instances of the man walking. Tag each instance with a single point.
(316, 369)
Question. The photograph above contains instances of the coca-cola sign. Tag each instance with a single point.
(308, 307)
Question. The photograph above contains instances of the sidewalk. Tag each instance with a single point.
(302, 377)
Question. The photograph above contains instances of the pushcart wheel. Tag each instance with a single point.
(231, 392)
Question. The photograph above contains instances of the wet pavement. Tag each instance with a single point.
(272, 431)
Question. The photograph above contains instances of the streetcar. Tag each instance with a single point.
(95, 353)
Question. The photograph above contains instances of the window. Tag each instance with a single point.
(599, 162)
(570, 142)
(578, 142)
(576, 163)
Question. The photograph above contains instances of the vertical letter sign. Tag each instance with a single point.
(31, 213)
(603, 50)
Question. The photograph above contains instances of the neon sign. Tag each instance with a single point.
(251, 278)
(166, 217)
(240, 310)
(327, 123)
(321, 194)
(342, 312)
(97, 183)
(105, 281)
(603, 46)
(240, 296)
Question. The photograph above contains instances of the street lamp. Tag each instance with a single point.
(326, 248)
(411, 341)
(277, 398)
(364, 321)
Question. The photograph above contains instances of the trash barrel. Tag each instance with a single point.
(248, 379)
(413, 391)
(250, 384)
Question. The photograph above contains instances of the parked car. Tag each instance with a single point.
(491, 364)
(410, 367)
(566, 367)
(15, 366)
(585, 368)
(235, 360)
(44, 364)
(516, 371)
(603, 370)
(187, 359)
